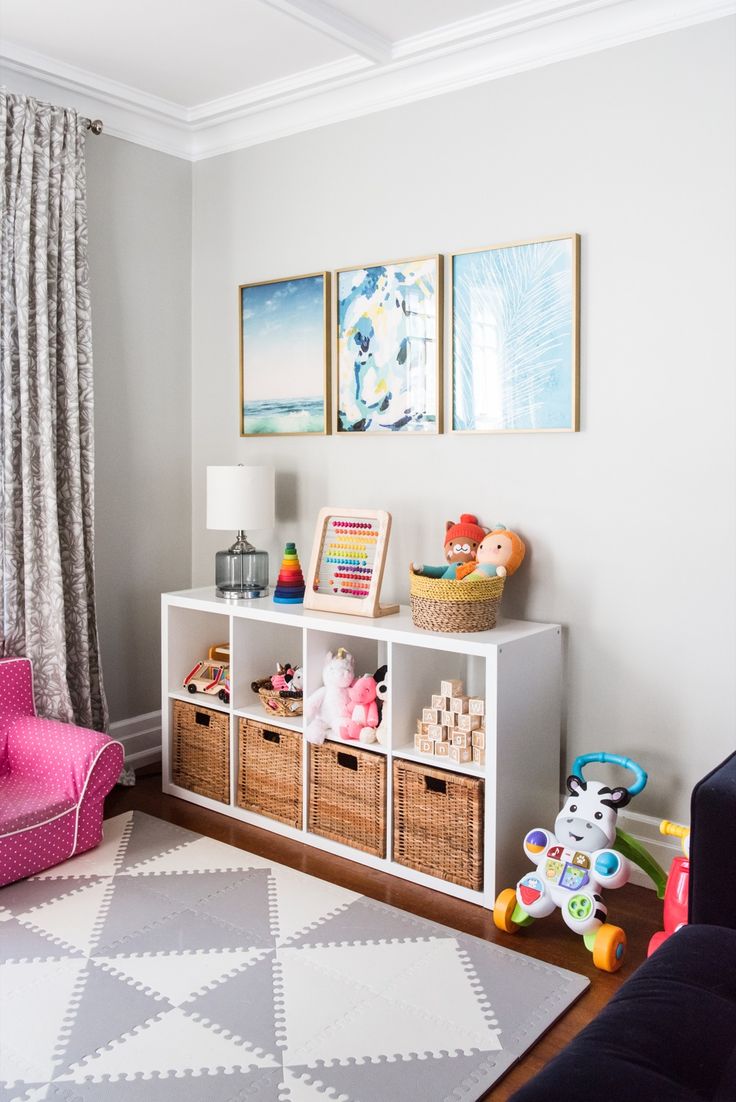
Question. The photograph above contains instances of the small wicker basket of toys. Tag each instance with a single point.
(282, 694)
(465, 594)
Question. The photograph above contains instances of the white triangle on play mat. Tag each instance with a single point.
(302, 900)
(375, 966)
(35, 999)
(75, 919)
(204, 855)
(381, 1027)
(313, 1000)
(101, 861)
(170, 1044)
(439, 985)
(299, 1091)
(177, 976)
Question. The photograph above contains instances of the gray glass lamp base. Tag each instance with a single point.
(241, 575)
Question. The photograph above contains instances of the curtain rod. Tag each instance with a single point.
(95, 125)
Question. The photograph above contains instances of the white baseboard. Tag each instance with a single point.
(141, 738)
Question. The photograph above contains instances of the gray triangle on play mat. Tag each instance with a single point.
(246, 905)
(185, 931)
(523, 993)
(18, 943)
(131, 907)
(433, 1079)
(244, 1005)
(259, 1085)
(151, 837)
(363, 922)
(25, 895)
(187, 889)
(108, 1007)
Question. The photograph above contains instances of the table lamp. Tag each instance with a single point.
(240, 498)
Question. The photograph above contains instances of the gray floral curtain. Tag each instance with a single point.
(47, 599)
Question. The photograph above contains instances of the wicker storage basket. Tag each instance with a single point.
(270, 771)
(438, 823)
(274, 703)
(347, 796)
(440, 604)
(200, 751)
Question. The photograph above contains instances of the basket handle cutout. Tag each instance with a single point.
(202, 719)
(271, 736)
(434, 784)
(347, 761)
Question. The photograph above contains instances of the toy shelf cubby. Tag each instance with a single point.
(516, 669)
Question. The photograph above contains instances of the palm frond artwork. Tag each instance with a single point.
(514, 342)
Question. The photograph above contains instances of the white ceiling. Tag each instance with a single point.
(201, 77)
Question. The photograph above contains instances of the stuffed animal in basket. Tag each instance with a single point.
(364, 717)
(461, 541)
(575, 862)
(499, 553)
(328, 708)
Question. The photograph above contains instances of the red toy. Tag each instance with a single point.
(678, 883)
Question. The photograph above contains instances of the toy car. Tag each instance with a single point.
(210, 677)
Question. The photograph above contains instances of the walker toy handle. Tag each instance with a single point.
(612, 759)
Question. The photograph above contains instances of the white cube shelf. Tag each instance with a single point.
(516, 669)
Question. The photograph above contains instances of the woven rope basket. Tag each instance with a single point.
(273, 702)
(439, 604)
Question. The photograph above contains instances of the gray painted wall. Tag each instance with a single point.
(630, 524)
(140, 272)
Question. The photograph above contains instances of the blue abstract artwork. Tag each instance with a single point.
(388, 347)
(284, 356)
(514, 337)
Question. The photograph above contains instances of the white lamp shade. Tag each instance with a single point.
(240, 497)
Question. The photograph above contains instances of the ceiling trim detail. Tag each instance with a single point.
(378, 75)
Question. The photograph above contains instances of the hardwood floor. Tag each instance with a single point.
(635, 909)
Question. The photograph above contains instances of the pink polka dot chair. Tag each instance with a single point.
(53, 780)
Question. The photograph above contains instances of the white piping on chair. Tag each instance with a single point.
(98, 755)
(77, 807)
(22, 830)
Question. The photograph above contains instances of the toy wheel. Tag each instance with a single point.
(192, 688)
(609, 948)
(503, 909)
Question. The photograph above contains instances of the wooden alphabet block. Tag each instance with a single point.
(479, 756)
(441, 749)
(436, 732)
(426, 746)
(476, 706)
(451, 688)
(461, 738)
(467, 722)
(448, 718)
(459, 704)
(439, 701)
(460, 754)
(430, 715)
(479, 740)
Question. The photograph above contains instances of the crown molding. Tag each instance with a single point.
(502, 42)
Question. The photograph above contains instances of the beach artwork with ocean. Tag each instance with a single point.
(284, 356)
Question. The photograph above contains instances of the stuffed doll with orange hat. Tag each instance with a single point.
(499, 553)
(461, 542)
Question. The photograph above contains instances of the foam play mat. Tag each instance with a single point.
(168, 967)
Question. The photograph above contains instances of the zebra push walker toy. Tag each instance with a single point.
(585, 854)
